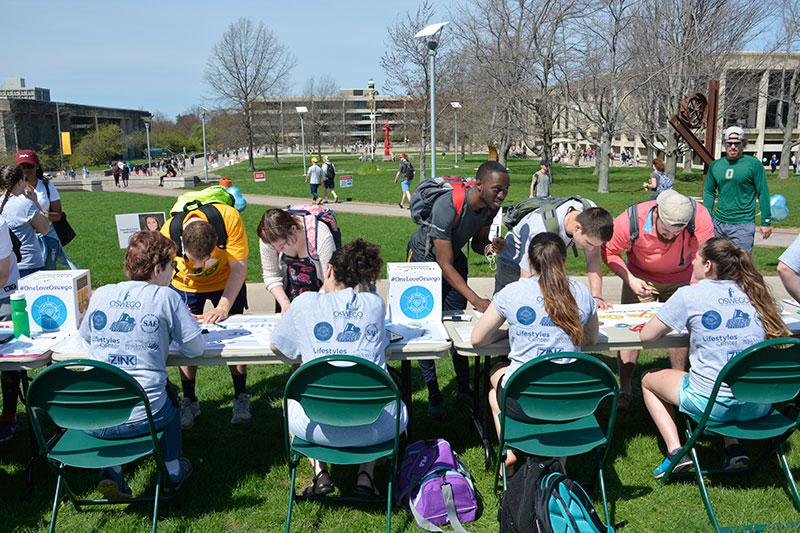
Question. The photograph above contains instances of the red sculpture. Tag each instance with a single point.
(386, 143)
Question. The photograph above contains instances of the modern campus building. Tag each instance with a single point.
(749, 90)
(342, 119)
(29, 120)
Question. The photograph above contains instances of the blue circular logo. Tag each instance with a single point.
(711, 320)
(99, 320)
(49, 312)
(371, 332)
(323, 331)
(416, 302)
(526, 315)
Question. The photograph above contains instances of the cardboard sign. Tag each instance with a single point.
(56, 299)
(130, 223)
(345, 181)
(259, 176)
(415, 292)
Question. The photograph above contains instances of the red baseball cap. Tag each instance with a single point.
(27, 156)
(404, 156)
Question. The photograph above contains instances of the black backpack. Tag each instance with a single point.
(214, 218)
(408, 170)
(517, 509)
(330, 172)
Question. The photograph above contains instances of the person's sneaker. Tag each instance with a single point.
(241, 410)
(401, 205)
(112, 485)
(186, 471)
(189, 410)
(735, 457)
(684, 464)
(8, 428)
(436, 406)
(325, 201)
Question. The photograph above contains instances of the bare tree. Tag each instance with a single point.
(323, 113)
(687, 43)
(405, 62)
(246, 64)
(789, 98)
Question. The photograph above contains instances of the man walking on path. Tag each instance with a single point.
(314, 177)
(540, 183)
(329, 172)
(441, 240)
(735, 181)
(406, 171)
(660, 238)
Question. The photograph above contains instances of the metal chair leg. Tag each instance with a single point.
(55, 502)
(291, 499)
(704, 491)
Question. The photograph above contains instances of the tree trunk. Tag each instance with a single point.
(547, 151)
(671, 154)
(250, 142)
(687, 162)
(651, 154)
(422, 158)
(275, 151)
(791, 120)
(502, 151)
(596, 171)
(602, 166)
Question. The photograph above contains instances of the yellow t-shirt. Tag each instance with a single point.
(213, 275)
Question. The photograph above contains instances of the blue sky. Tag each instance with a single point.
(151, 55)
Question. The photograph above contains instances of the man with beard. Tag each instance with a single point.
(660, 238)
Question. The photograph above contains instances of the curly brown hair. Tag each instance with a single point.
(357, 262)
(146, 249)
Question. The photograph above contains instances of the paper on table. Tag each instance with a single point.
(417, 332)
(25, 346)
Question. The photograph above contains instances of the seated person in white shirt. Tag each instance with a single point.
(130, 325)
(340, 320)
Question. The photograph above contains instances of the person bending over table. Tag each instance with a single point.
(288, 267)
(546, 313)
(730, 301)
(152, 316)
(340, 320)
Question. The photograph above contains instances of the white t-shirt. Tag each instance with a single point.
(531, 333)
(130, 325)
(333, 323)
(314, 175)
(7, 250)
(791, 257)
(721, 322)
(41, 194)
(18, 213)
(515, 256)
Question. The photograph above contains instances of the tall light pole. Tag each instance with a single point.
(205, 149)
(456, 106)
(147, 130)
(371, 94)
(301, 109)
(429, 33)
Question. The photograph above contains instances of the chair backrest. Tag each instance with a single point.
(342, 390)
(767, 372)
(560, 391)
(84, 394)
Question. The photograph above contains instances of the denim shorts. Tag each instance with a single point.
(405, 185)
(694, 402)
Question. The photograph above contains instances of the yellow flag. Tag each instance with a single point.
(65, 144)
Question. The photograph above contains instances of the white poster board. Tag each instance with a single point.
(345, 181)
(130, 223)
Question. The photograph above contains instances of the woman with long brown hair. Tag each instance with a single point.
(728, 310)
(546, 313)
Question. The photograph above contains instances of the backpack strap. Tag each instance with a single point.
(633, 223)
(214, 218)
(450, 506)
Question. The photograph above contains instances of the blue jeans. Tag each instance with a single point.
(314, 187)
(451, 300)
(167, 419)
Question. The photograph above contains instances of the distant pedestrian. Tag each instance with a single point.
(540, 182)
(659, 180)
(406, 171)
(773, 162)
(126, 173)
(314, 178)
(116, 170)
(329, 173)
(85, 172)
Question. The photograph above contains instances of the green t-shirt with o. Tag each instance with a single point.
(736, 184)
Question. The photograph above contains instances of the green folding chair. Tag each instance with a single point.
(561, 400)
(767, 372)
(81, 395)
(346, 396)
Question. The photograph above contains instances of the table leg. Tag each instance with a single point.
(481, 407)
(487, 364)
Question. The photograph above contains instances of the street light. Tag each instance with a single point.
(371, 94)
(300, 110)
(429, 32)
(147, 129)
(205, 150)
(456, 106)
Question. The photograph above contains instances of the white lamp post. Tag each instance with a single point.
(301, 109)
(371, 94)
(147, 130)
(456, 106)
(429, 33)
(205, 150)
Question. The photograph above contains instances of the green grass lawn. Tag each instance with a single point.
(241, 478)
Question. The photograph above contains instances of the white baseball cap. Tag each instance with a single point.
(739, 132)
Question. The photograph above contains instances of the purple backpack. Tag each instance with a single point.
(435, 486)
